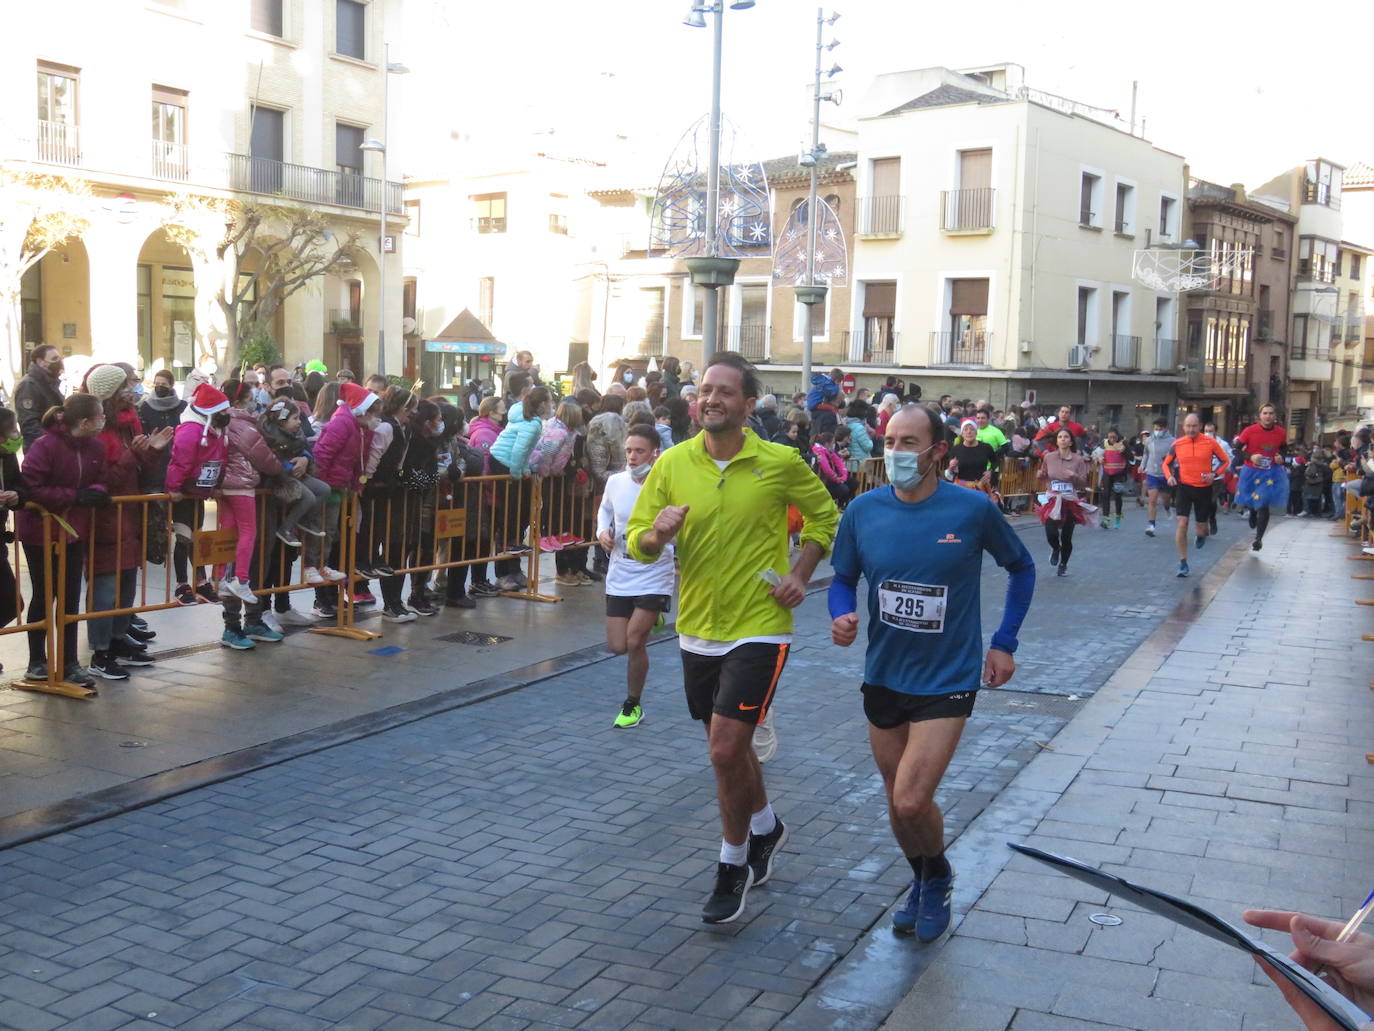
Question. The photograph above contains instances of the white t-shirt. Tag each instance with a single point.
(627, 578)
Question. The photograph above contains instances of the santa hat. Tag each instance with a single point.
(358, 399)
(967, 422)
(104, 381)
(206, 401)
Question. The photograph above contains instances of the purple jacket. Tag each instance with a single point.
(339, 451)
(249, 458)
(56, 466)
(197, 465)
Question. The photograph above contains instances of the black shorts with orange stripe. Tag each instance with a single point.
(738, 685)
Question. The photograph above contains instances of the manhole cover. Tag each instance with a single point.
(473, 638)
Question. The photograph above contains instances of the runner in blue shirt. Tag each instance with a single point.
(919, 545)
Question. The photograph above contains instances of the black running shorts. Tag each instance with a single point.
(1199, 502)
(623, 606)
(738, 685)
(887, 709)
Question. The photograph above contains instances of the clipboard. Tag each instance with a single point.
(1194, 917)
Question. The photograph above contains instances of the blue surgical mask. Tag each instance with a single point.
(904, 468)
(639, 472)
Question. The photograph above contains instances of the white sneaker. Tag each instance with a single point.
(222, 588)
(333, 574)
(1368, 549)
(401, 615)
(294, 617)
(269, 620)
(765, 738)
(311, 575)
(238, 589)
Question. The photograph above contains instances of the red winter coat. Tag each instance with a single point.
(250, 458)
(56, 466)
(117, 539)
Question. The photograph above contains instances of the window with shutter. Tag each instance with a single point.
(266, 17)
(350, 21)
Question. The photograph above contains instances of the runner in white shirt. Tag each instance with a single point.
(637, 595)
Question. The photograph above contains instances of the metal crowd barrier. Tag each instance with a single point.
(480, 519)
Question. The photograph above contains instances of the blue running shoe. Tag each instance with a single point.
(262, 632)
(237, 640)
(1199, 541)
(904, 920)
(933, 910)
(1182, 569)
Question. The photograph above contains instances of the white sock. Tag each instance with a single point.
(763, 821)
(735, 855)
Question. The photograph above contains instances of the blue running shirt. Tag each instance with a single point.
(923, 564)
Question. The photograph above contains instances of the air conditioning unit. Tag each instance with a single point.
(1078, 357)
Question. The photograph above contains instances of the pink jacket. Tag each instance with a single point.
(829, 464)
(249, 458)
(482, 434)
(196, 467)
(339, 451)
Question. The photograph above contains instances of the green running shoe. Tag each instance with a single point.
(631, 714)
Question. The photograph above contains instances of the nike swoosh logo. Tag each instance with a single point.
(747, 708)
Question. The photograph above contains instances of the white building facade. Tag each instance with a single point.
(269, 100)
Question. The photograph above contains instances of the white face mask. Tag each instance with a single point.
(639, 472)
(904, 468)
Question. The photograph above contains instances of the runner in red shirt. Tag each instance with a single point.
(1263, 481)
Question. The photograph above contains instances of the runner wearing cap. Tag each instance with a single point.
(918, 543)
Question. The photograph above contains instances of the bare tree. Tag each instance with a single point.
(38, 212)
(292, 245)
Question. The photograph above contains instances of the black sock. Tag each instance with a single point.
(916, 864)
(934, 866)
(1261, 523)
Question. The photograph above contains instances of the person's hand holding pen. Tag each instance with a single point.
(1348, 966)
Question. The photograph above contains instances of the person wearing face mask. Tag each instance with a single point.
(64, 473)
(637, 595)
(918, 543)
(339, 463)
(1157, 488)
(38, 391)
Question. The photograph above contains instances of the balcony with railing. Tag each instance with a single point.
(750, 339)
(1125, 353)
(345, 324)
(59, 142)
(1350, 398)
(1310, 362)
(310, 185)
(488, 224)
(873, 348)
(880, 216)
(969, 348)
(968, 211)
(170, 161)
(1166, 355)
(1354, 331)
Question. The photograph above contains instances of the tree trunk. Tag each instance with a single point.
(13, 366)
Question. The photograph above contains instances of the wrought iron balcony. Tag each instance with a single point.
(959, 348)
(962, 210)
(170, 161)
(874, 348)
(1166, 354)
(750, 339)
(492, 224)
(1125, 353)
(310, 185)
(880, 216)
(59, 142)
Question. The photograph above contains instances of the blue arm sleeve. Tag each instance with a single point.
(843, 598)
(1020, 588)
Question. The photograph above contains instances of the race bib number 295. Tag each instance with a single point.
(918, 608)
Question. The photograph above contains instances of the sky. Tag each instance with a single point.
(1242, 92)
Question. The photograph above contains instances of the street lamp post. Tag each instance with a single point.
(812, 294)
(712, 271)
(379, 146)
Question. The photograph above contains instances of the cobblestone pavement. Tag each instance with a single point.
(515, 863)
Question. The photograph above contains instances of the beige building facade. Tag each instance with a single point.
(266, 101)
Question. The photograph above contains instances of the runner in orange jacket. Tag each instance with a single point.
(1190, 467)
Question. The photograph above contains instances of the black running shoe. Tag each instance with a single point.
(1256, 544)
(104, 664)
(142, 636)
(763, 848)
(727, 899)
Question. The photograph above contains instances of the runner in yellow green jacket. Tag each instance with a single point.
(722, 498)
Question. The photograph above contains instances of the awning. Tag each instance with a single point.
(464, 347)
(465, 335)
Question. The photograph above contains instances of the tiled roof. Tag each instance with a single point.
(943, 96)
(1361, 173)
(787, 167)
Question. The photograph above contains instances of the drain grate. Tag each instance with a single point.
(473, 638)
